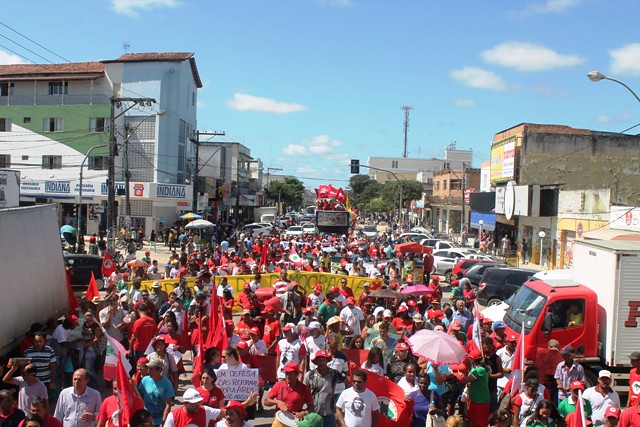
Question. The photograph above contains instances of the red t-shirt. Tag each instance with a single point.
(271, 332)
(402, 324)
(244, 301)
(634, 392)
(295, 398)
(144, 330)
(347, 292)
(50, 421)
(213, 398)
(630, 417)
(110, 405)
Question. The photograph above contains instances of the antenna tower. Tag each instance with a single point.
(126, 46)
(406, 109)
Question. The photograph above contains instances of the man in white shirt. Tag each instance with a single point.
(353, 317)
(506, 355)
(357, 406)
(315, 341)
(601, 397)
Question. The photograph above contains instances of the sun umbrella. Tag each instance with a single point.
(199, 223)
(387, 293)
(416, 290)
(67, 229)
(189, 216)
(137, 263)
(329, 249)
(437, 347)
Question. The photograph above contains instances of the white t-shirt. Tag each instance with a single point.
(212, 415)
(313, 345)
(408, 388)
(258, 347)
(341, 300)
(507, 362)
(357, 407)
(352, 317)
(223, 423)
(289, 353)
(600, 403)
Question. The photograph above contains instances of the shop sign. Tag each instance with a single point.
(164, 191)
(63, 187)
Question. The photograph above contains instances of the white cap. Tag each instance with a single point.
(387, 313)
(192, 396)
(604, 374)
(314, 325)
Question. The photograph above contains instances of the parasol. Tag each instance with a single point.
(437, 347)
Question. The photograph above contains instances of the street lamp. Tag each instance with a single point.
(596, 76)
(481, 223)
(541, 234)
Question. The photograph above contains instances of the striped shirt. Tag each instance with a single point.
(43, 360)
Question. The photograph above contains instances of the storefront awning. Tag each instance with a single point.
(609, 234)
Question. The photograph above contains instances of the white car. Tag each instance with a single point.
(411, 237)
(445, 259)
(294, 230)
(309, 228)
(370, 231)
(258, 229)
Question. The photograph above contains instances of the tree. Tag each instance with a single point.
(378, 205)
(357, 184)
(411, 190)
(290, 191)
(370, 192)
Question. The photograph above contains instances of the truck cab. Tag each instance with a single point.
(555, 309)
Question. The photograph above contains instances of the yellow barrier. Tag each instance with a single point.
(306, 280)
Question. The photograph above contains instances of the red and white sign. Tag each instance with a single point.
(624, 218)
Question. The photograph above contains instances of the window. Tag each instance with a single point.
(5, 124)
(5, 160)
(25, 157)
(193, 99)
(6, 89)
(26, 120)
(394, 164)
(51, 162)
(567, 313)
(99, 124)
(53, 124)
(58, 88)
(98, 163)
(444, 185)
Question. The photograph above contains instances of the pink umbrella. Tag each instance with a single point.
(417, 290)
(437, 347)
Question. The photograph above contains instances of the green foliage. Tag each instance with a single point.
(357, 184)
(378, 205)
(291, 192)
(411, 190)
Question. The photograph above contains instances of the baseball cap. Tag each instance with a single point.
(236, 406)
(309, 310)
(387, 313)
(192, 396)
(612, 411)
(567, 350)
(402, 346)
(498, 324)
(289, 327)
(635, 355)
(314, 325)
(436, 314)
(142, 361)
(512, 338)
(456, 325)
(254, 330)
(604, 374)
(322, 353)
(487, 320)
(335, 289)
(577, 385)
(242, 344)
(435, 278)
(475, 354)
(247, 286)
(318, 288)
(351, 300)
(417, 318)
(229, 322)
(291, 367)
(402, 309)
(412, 303)
(155, 363)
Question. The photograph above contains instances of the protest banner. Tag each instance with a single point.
(237, 384)
(268, 368)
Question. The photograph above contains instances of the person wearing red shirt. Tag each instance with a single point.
(38, 406)
(403, 321)
(243, 299)
(272, 330)
(434, 287)
(151, 307)
(111, 404)
(244, 325)
(634, 379)
(143, 331)
(344, 289)
(211, 395)
(291, 395)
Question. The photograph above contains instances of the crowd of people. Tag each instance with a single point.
(307, 335)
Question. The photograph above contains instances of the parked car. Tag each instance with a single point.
(498, 284)
(369, 231)
(474, 273)
(410, 237)
(445, 259)
(465, 263)
(82, 265)
(309, 229)
(258, 228)
(439, 244)
(294, 230)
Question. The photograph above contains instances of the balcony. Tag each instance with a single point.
(89, 99)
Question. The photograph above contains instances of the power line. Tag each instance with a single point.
(26, 48)
(34, 42)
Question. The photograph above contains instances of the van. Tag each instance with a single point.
(498, 284)
(271, 218)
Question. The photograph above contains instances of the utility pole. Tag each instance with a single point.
(113, 152)
(462, 216)
(406, 109)
(196, 168)
(127, 178)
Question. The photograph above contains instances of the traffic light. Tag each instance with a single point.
(355, 166)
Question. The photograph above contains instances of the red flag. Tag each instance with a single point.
(185, 325)
(73, 301)
(217, 336)
(92, 290)
(108, 266)
(263, 256)
(387, 390)
(197, 363)
(518, 363)
(125, 394)
(577, 418)
(476, 331)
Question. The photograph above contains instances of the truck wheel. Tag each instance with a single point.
(447, 277)
(591, 378)
(493, 301)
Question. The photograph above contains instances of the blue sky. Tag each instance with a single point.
(310, 84)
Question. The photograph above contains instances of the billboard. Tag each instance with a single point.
(332, 218)
(9, 188)
(503, 160)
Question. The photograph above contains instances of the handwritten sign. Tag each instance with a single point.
(237, 384)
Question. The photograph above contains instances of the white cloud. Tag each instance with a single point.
(525, 56)
(244, 102)
(549, 6)
(549, 91)
(478, 78)
(201, 104)
(626, 60)
(619, 118)
(9, 59)
(321, 144)
(464, 102)
(132, 7)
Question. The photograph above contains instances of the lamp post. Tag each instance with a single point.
(596, 76)
(541, 234)
(481, 223)
(79, 211)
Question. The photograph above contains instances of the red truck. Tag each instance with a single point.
(596, 312)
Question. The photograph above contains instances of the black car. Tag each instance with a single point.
(81, 266)
(498, 284)
(474, 273)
